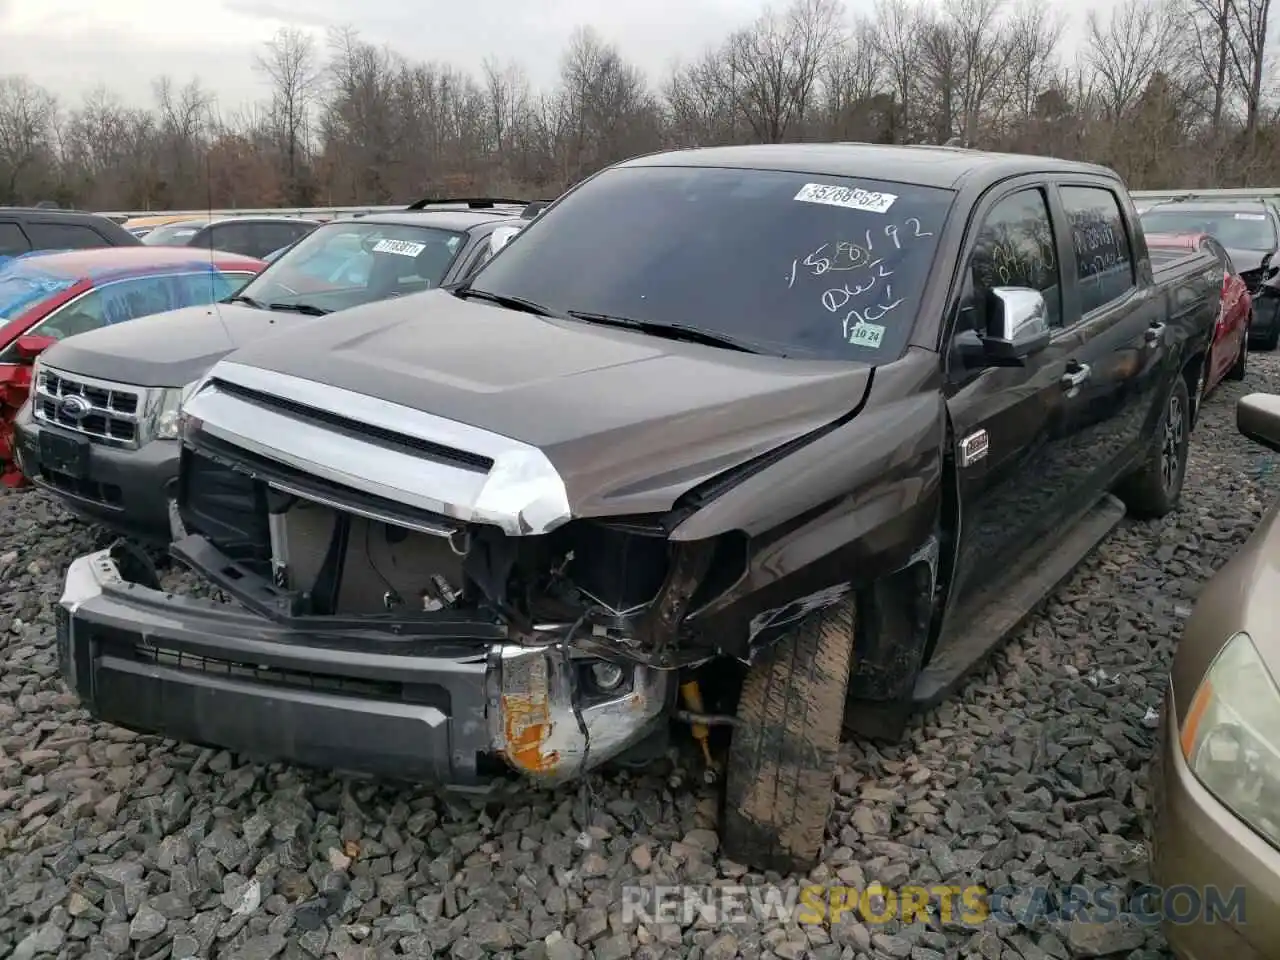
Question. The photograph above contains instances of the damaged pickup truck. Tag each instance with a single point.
(771, 441)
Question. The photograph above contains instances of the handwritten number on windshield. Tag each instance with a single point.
(837, 297)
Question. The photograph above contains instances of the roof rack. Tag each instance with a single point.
(473, 203)
(533, 208)
(1216, 198)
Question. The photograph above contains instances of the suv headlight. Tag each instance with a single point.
(29, 403)
(1231, 736)
(164, 422)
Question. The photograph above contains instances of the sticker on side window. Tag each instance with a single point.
(1251, 216)
(865, 334)
(851, 198)
(402, 247)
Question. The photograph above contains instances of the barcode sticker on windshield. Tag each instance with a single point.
(851, 198)
(402, 247)
(865, 334)
(1251, 216)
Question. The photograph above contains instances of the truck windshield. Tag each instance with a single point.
(1234, 229)
(799, 265)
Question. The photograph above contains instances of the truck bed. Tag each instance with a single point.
(1172, 263)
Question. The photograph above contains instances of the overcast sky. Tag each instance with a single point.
(73, 46)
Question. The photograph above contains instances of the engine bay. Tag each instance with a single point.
(614, 588)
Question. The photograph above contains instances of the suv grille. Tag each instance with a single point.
(107, 413)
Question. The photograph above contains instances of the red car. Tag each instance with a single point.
(1229, 355)
(45, 297)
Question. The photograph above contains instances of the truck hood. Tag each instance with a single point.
(629, 421)
(166, 349)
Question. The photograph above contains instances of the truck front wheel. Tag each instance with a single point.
(780, 781)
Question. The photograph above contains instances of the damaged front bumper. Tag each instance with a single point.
(460, 711)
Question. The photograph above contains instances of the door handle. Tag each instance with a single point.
(1154, 333)
(1077, 375)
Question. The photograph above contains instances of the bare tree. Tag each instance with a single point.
(290, 63)
(1209, 51)
(779, 60)
(1139, 38)
(27, 116)
(899, 44)
(604, 105)
(1035, 33)
(983, 46)
(1249, 56)
(852, 80)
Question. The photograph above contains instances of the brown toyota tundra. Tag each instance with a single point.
(776, 441)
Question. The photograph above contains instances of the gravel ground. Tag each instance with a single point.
(116, 845)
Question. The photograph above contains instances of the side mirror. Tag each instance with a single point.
(1258, 419)
(500, 238)
(1017, 326)
(33, 344)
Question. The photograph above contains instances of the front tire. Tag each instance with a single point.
(1154, 489)
(780, 781)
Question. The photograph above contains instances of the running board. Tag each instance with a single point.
(1008, 606)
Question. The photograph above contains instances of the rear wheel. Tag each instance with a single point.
(1238, 370)
(780, 781)
(1153, 490)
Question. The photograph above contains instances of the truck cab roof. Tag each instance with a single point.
(930, 166)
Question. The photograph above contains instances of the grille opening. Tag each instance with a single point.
(108, 494)
(121, 646)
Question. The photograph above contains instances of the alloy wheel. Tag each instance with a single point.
(1171, 447)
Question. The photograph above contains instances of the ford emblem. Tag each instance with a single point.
(74, 408)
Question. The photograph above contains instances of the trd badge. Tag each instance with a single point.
(973, 448)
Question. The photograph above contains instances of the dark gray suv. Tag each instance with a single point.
(125, 481)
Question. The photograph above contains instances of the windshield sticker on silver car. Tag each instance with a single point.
(851, 198)
(1251, 216)
(402, 247)
(863, 334)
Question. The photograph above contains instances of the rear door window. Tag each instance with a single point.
(1104, 262)
(231, 237)
(64, 236)
(13, 242)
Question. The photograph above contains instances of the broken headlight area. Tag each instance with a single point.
(583, 628)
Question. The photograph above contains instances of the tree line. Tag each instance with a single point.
(1171, 93)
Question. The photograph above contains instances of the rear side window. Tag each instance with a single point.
(13, 242)
(1104, 261)
(64, 236)
(231, 237)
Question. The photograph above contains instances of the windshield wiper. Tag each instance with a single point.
(675, 331)
(511, 303)
(241, 298)
(305, 309)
